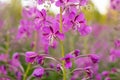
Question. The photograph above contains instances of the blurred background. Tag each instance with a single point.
(104, 20)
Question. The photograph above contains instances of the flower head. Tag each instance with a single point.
(3, 70)
(40, 59)
(94, 58)
(117, 43)
(76, 52)
(38, 72)
(30, 56)
(52, 33)
(68, 62)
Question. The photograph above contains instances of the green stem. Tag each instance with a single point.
(28, 68)
(62, 47)
(34, 49)
(7, 43)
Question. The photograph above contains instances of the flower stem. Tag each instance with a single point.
(33, 49)
(7, 43)
(28, 68)
(62, 47)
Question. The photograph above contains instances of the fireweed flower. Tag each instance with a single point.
(61, 2)
(115, 4)
(94, 58)
(28, 13)
(4, 57)
(16, 56)
(40, 2)
(114, 54)
(105, 73)
(83, 2)
(67, 24)
(114, 70)
(51, 33)
(79, 24)
(98, 77)
(25, 29)
(40, 59)
(30, 56)
(68, 62)
(84, 30)
(3, 70)
(18, 75)
(76, 52)
(58, 67)
(14, 62)
(117, 43)
(40, 18)
(89, 72)
(108, 78)
(38, 72)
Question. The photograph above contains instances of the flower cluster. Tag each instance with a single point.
(115, 4)
(69, 59)
(35, 20)
(49, 47)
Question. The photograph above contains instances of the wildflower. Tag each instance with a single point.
(94, 58)
(51, 33)
(40, 59)
(68, 62)
(38, 72)
(30, 56)
(117, 43)
(76, 52)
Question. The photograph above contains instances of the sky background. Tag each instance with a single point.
(102, 6)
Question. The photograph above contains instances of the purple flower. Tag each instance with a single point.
(40, 2)
(15, 63)
(52, 65)
(51, 33)
(67, 23)
(105, 73)
(68, 62)
(25, 29)
(30, 56)
(98, 77)
(76, 52)
(38, 72)
(28, 13)
(79, 24)
(108, 78)
(117, 43)
(115, 4)
(114, 54)
(83, 2)
(58, 67)
(84, 30)
(114, 70)
(40, 59)
(4, 57)
(89, 72)
(40, 18)
(16, 56)
(60, 3)
(94, 58)
(3, 70)
(19, 75)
